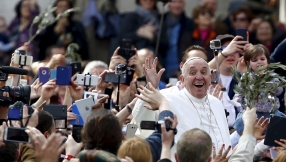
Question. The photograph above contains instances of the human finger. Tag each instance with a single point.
(221, 149)
(161, 72)
(155, 61)
(226, 152)
(116, 51)
(265, 123)
(259, 122)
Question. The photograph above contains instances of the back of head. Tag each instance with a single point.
(194, 145)
(102, 131)
(45, 122)
(137, 149)
(94, 64)
(188, 53)
(9, 152)
(281, 156)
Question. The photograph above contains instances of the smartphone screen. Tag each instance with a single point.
(243, 33)
(76, 132)
(16, 135)
(149, 125)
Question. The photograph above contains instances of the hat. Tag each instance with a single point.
(224, 37)
(236, 4)
(97, 156)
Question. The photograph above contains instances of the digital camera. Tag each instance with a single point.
(215, 44)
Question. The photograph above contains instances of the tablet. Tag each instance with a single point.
(275, 130)
(82, 109)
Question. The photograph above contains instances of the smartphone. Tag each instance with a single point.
(149, 125)
(53, 74)
(131, 130)
(87, 80)
(59, 112)
(16, 135)
(82, 108)
(64, 74)
(76, 67)
(215, 77)
(76, 133)
(44, 74)
(126, 48)
(243, 33)
(23, 60)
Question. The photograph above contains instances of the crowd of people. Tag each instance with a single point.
(179, 103)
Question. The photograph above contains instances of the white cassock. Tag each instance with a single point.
(207, 114)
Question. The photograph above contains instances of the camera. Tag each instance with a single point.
(20, 58)
(126, 75)
(153, 125)
(215, 44)
(16, 93)
(15, 111)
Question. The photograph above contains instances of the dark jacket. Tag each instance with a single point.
(130, 23)
(49, 38)
(154, 139)
(193, 38)
(186, 26)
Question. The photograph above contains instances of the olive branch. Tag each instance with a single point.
(44, 21)
(71, 52)
(252, 83)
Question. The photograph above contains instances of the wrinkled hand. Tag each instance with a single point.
(134, 61)
(151, 72)
(72, 147)
(36, 88)
(235, 46)
(249, 116)
(168, 136)
(50, 151)
(76, 91)
(116, 59)
(281, 143)
(221, 157)
(216, 91)
(35, 136)
(56, 60)
(48, 89)
(260, 127)
(151, 96)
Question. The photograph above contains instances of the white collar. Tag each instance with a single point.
(192, 98)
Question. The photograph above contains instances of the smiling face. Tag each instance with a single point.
(257, 61)
(196, 77)
(264, 32)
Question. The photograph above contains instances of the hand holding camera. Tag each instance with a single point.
(48, 89)
(168, 136)
(75, 91)
(235, 46)
(135, 62)
(116, 59)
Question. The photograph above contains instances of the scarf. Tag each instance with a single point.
(148, 16)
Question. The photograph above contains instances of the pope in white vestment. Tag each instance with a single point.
(206, 113)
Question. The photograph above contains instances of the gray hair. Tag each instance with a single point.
(190, 59)
(94, 64)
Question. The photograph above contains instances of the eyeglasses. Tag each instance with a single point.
(241, 19)
(203, 13)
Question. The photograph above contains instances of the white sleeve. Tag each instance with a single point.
(141, 113)
(245, 149)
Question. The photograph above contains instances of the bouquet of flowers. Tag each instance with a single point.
(252, 83)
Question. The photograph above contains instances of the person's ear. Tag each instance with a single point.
(46, 134)
(181, 65)
(176, 157)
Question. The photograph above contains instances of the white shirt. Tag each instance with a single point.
(226, 100)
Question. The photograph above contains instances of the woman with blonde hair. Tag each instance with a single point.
(281, 156)
(137, 149)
